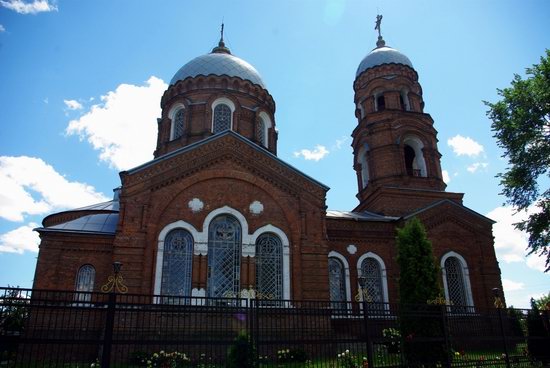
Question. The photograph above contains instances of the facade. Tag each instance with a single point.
(216, 212)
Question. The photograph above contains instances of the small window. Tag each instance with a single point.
(402, 102)
(370, 269)
(410, 156)
(222, 118)
(176, 265)
(84, 284)
(380, 103)
(178, 124)
(269, 267)
(337, 283)
(260, 132)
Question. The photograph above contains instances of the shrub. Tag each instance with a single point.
(242, 354)
(539, 336)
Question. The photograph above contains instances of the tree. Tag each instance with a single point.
(521, 125)
(419, 318)
(539, 335)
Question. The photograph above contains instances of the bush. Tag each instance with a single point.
(539, 336)
(242, 354)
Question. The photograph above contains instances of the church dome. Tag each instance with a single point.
(219, 62)
(380, 56)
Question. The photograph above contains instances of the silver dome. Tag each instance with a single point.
(382, 55)
(219, 64)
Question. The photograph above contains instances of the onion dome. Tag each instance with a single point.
(381, 55)
(219, 62)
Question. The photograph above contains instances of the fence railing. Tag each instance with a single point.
(59, 328)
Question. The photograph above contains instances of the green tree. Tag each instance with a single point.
(539, 336)
(543, 301)
(419, 319)
(521, 125)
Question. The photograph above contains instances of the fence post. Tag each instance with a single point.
(370, 356)
(445, 326)
(499, 305)
(108, 335)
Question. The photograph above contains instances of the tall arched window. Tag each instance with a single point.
(222, 118)
(415, 165)
(176, 263)
(84, 283)
(372, 272)
(380, 103)
(261, 132)
(224, 257)
(269, 266)
(456, 281)
(178, 124)
(337, 283)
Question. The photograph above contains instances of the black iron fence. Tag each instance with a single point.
(42, 328)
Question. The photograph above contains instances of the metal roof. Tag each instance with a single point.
(382, 55)
(219, 64)
(360, 216)
(104, 206)
(102, 223)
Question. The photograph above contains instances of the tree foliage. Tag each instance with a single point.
(521, 125)
(423, 344)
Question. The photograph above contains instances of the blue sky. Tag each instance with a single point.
(81, 83)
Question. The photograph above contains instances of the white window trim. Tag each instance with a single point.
(405, 96)
(416, 144)
(200, 245)
(267, 125)
(224, 101)
(382, 271)
(465, 275)
(172, 116)
(362, 158)
(344, 261)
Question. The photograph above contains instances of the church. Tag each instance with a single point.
(216, 213)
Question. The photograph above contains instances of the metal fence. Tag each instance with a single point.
(41, 328)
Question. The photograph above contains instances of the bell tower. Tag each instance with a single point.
(395, 143)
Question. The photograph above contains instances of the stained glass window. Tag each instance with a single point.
(455, 282)
(269, 266)
(337, 283)
(177, 261)
(260, 132)
(178, 124)
(85, 279)
(224, 257)
(370, 269)
(222, 118)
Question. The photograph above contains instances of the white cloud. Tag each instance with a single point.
(340, 142)
(446, 176)
(124, 126)
(2, 29)
(73, 104)
(22, 7)
(510, 243)
(476, 166)
(509, 285)
(316, 154)
(464, 146)
(31, 186)
(20, 239)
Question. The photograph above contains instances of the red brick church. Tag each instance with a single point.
(217, 212)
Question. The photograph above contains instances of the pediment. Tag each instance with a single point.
(213, 152)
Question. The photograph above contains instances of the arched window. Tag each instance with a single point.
(222, 118)
(337, 283)
(178, 124)
(176, 264)
(261, 132)
(363, 160)
(415, 165)
(456, 282)
(84, 283)
(269, 266)
(380, 103)
(372, 272)
(404, 100)
(224, 257)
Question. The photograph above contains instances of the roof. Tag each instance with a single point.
(360, 216)
(448, 201)
(215, 137)
(380, 56)
(217, 63)
(104, 206)
(100, 223)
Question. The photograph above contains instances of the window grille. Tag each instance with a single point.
(177, 265)
(224, 257)
(85, 279)
(370, 269)
(260, 132)
(337, 283)
(269, 267)
(178, 124)
(455, 282)
(222, 118)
